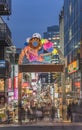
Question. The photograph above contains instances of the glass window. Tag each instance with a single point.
(70, 34)
(70, 8)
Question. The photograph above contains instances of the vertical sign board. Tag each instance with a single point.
(2, 63)
(2, 68)
(2, 74)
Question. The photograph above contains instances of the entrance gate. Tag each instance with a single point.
(48, 67)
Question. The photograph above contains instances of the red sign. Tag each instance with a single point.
(77, 84)
(16, 82)
(25, 84)
(9, 84)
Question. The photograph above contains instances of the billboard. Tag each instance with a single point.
(73, 67)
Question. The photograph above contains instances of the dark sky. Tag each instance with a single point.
(31, 16)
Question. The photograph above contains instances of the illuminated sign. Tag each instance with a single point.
(73, 67)
(16, 94)
(15, 82)
(25, 84)
(9, 84)
(2, 64)
(77, 84)
(1, 85)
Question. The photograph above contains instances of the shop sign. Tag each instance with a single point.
(15, 94)
(16, 82)
(10, 94)
(77, 84)
(25, 84)
(16, 70)
(2, 64)
(9, 84)
(1, 85)
(73, 67)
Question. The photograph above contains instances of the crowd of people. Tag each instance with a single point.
(34, 113)
(70, 109)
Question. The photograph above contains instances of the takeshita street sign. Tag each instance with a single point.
(34, 51)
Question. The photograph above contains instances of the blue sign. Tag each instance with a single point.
(2, 63)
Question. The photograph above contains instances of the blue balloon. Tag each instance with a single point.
(26, 44)
(50, 49)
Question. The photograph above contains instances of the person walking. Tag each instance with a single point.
(69, 112)
(23, 114)
(52, 113)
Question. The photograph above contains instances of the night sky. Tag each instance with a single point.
(31, 16)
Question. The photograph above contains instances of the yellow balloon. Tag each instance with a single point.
(42, 41)
(55, 51)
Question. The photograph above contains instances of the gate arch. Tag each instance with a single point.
(29, 67)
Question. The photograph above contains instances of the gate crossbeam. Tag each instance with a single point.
(41, 68)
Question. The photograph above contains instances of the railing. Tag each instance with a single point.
(5, 7)
(5, 34)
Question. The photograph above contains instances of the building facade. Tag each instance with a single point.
(72, 48)
(6, 88)
(52, 35)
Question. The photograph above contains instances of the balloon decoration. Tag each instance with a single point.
(26, 43)
(50, 49)
(47, 45)
(55, 51)
(36, 48)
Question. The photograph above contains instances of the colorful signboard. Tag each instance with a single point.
(73, 67)
(1, 85)
(9, 84)
(16, 82)
(16, 94)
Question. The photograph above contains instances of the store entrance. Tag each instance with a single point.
(38, 56)
(34, 68)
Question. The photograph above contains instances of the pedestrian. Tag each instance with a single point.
(28, 114)
(31, 115)
(69, 112)
(8, 115)
(22, 113)
(52, 113)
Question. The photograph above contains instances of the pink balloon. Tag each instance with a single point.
(48, 45)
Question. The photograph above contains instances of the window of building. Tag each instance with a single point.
(70, 34)
(70, 8)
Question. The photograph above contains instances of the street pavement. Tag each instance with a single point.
(44, 125)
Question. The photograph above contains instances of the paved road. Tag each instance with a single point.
(56, 127)
(45, 124)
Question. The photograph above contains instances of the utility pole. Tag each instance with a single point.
(80, 66)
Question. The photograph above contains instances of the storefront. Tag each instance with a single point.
(74, 77)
